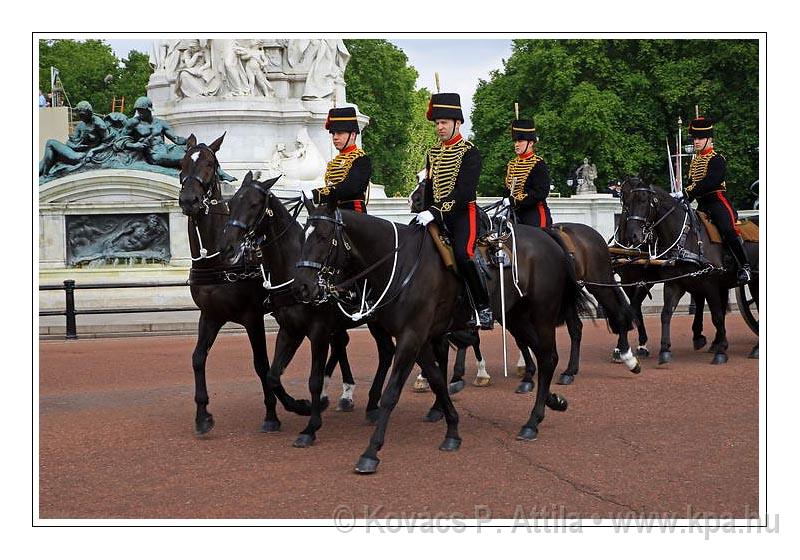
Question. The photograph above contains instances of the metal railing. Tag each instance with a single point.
(71, 312)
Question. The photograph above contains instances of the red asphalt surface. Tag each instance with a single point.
(117, 415)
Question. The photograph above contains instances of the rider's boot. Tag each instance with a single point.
(743, 274)
(480, 298)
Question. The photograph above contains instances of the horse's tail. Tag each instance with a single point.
(573, 297)
(628, 315)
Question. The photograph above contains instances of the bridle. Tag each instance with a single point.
(330, 268)
(650, 222)
(209, 201)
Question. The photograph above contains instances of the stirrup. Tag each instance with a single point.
(486, 319)
(744, 275)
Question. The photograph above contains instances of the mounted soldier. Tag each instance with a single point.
(452, 169)
(707, 186)
(347, 175)
(527, 181)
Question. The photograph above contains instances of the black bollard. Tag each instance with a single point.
(69, 289)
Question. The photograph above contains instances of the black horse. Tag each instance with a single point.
(664, 228)
(259, 222)
(417, 300)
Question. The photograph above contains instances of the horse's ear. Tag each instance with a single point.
(248, 177)
(269, 182)
(191, 142)
(215, 145)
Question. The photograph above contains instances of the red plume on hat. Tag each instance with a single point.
(328, 122)
(429, 114)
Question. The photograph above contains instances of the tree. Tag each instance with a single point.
(132, 80)
(382, 84)
(617, 101)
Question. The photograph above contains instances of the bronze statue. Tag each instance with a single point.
(90, 133)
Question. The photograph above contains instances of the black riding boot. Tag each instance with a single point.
(479, 296)
(743, 274)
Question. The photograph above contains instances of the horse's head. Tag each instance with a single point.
(248, 208)
(640, 207)
(415, 198)
(198, 176)
(322, 256)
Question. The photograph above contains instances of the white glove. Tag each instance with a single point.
(424, 218)
(506, 203)
(677, 195)
(308, 192)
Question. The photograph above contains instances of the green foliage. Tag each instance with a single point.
(616, 101)
(84, 68)
(382, 84)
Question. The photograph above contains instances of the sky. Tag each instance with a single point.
(461, 63)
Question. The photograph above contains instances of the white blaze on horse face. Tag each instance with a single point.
(195, 156)
(309, 231)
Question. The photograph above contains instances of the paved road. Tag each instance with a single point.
(116, 438)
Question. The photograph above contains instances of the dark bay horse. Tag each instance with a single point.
(655, 221)
(260, 223)
(420, 302)
(223, 293)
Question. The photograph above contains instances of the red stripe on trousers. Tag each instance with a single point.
(357, 206)
(727, 206)
(542, 216)
(473, 226)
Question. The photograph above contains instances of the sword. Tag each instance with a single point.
(501, 259)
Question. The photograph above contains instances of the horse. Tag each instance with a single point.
(654, 220)
(221, 292)
(589, 252)
(261, 224)
(420, 301)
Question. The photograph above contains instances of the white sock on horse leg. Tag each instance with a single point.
(325, 382)
(482, 369)
(347, 391)
(629, 359)
(521, 361)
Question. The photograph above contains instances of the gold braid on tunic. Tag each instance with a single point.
(698, 169)
(338, 168)
(517, 173)
(445, 163)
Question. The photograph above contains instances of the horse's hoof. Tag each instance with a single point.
(665, 357)
(753, 353)
(637, 368)
(450, 444)
(520, 371)
(643, 352)
(719, 358)
(482, 381)
(345, 405)
(421, 385)
(434, 415)
(302, 407)
(566, 379)
(204, 426)
(304, 440)
(524, 388)
(372, 416)
(699, 342)
(616, 356)
(270, 426)
(527, 434)
(456, 387)
(367, 465)
(556, 402)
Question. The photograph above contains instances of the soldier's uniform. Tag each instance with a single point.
(347, 175)
(527, 181)
(452, 171)
(707, 186)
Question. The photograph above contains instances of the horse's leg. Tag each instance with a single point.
(620, 320)
(459, 368)
(429, 355)
(754, 292)
(698, 339)
(348, 383)
(636, 296)
(258, 344)
(482, 378)
(717, 304)
(526, 385)
(385, 354)
(575, 330)
(406, 352)
(547, 360)
(286, 345)
(319, 354)
(441, 350)
(672, 294)
(207, 330)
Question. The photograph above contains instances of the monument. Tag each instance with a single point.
(586, 174)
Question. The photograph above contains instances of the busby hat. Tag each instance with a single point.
(445, 106)
(522, 129)
(701, 127)
(342, 119)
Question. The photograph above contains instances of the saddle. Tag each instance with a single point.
(746, 228)
(571, 249)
